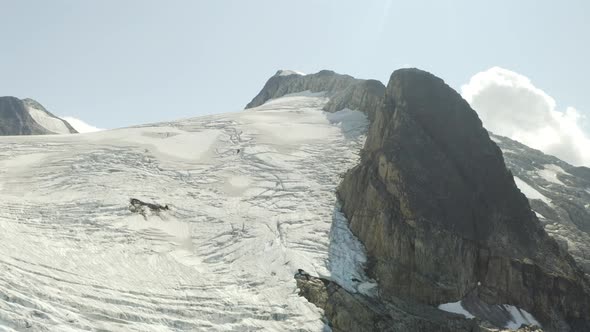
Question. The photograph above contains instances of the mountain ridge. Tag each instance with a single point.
(344, 91)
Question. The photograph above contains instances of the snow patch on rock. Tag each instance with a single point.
(47, 121)
(530, 192)
(549, 173)
(286, 72)
(519, 317)
(456, 308)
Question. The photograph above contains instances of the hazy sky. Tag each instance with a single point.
(117, 63)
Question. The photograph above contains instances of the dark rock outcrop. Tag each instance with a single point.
(356, 312)
(344, 91)
(439, 213)
(16, 120)
(145, 209)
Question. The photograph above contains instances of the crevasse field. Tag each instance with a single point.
(252, 199)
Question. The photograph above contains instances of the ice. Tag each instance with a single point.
(530, 192)
(348, 258)
(221, 259)
(456, 308)
(48, 122)
(519, 317)
(352, 123)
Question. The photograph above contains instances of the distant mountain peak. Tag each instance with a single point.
(344, 91)
(29, 117)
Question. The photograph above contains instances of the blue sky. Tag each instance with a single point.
(119, 63)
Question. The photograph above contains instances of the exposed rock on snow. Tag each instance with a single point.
(143, 208)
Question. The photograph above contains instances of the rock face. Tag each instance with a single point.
(16, 118)
(356, 312)
(344, 91)
(558, 192)
(441, 216)
(345, 312)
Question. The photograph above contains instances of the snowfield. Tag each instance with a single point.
(252, 199)
(48, 122)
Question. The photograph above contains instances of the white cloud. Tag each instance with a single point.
(510, 105)
(80, 126)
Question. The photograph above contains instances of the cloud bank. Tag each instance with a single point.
(510, 105)
(80, 126)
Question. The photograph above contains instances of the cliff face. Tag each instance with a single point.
(344, 91)
(441, 216)
(356, 312)
(16, 118)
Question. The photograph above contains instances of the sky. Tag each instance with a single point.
(113, 63)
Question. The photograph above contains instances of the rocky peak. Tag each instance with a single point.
(441, 216)
(33, 103)
(431, 126)
(16, 118)
(344, 91)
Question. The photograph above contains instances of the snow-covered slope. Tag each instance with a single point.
(251, 199)
(51, 123)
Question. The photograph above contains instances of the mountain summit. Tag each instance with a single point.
(28, 117)
(344, 91)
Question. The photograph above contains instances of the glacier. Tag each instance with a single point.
(252, 199)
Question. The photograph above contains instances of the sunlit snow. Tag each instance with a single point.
(530, 192)
(252, 199)
(48, 122)
(549, 173)
(79, 125)
(287, 72)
